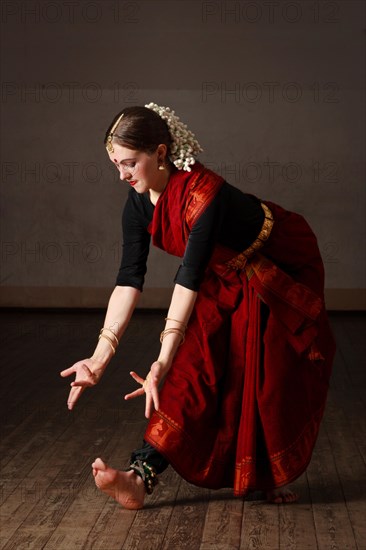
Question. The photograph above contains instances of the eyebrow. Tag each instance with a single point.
(124, 160)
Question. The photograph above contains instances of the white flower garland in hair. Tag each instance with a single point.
(184, 147)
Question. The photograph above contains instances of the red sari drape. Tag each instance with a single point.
(242, 403)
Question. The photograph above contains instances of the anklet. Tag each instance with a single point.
(147, 474)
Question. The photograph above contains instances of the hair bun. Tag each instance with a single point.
(184, 147)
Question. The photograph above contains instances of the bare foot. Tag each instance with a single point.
(126, 488)
(283, 495)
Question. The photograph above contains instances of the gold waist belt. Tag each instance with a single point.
(238, 262)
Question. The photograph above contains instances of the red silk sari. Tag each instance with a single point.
(242, 403)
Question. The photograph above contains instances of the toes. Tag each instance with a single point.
(98, 464)
(282, 497)
(290, 497)
(275, 499)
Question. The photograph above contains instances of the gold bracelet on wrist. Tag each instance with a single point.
(113, 334)
(110, 342)
(172, 331)
(176, 321)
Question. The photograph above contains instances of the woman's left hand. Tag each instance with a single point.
(150, 386)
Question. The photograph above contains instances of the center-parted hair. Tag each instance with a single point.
(141, 129)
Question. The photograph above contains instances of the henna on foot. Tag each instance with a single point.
(126, 488)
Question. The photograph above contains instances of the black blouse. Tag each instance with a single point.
(233, 219)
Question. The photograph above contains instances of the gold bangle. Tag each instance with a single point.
(113, 334)
(172, 331)
(109, 341)
(176, 321)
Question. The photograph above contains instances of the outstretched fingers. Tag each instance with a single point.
(138, 392)
(89, 375)
(90, 379)
(67, 372)
(84, 378)
(137, 378)
(149, 386)
(73, 397)
(135, 393)
(152, 396)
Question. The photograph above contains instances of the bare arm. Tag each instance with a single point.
(181, 306)
(88, 371)
(121, 305)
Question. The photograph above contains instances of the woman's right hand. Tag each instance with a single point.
(88, 372)
(150, 386)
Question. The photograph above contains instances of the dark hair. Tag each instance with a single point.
(141, 129)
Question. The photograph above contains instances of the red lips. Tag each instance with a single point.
(132, 183)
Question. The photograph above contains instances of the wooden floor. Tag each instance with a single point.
(48, 498)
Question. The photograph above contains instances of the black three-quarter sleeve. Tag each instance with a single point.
(233, 219)
(136, 217)
(201, 241)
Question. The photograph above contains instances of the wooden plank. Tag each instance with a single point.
(51, 486)
(187, 520)
(31, 538)
(350, 351)
(46, 494)
(297, 528)
(333, 526)
(109, 530)
(37, 503)
(149, 528)
(89, 503)
(222, 527)
(260, 527)
(350, 395)
(350, 468)
(71, 484)
(24, 459)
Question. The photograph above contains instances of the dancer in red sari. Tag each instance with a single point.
(246, 351)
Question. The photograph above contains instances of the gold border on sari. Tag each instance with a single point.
(239, 261)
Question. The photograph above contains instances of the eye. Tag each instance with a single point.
(129, 164)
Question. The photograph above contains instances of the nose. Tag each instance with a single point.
(124, 174)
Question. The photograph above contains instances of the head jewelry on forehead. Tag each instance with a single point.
(109, 144)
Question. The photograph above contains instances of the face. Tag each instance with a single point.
(139, 169)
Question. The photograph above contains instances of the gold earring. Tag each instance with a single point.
(161, 167)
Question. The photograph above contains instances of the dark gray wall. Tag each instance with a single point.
(273, 90)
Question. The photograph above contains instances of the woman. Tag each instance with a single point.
(246, 350)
